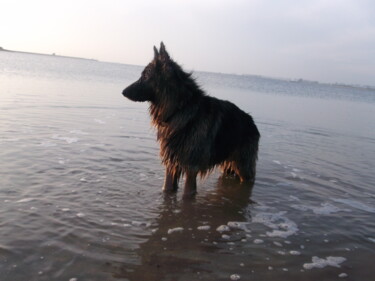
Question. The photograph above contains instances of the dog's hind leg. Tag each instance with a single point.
(228, 168)
(245, 163)
(190, 184)
(172, 176)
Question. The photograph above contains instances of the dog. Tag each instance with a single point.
(196, 132)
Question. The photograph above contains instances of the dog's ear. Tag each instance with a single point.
(163, 52)
(156, 53)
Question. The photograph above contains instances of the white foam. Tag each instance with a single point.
(80, 215)
(223, 228)
(321, 263)
(258, 241)
(326, 209)
(176, 229)
(235, 277)
(204, 227)
(237, 225)
(355, 204)
(281, 225)
(295, 253)
(343, 275)
(276, 162)
(139, 223)
(225, 236)
(371, 239)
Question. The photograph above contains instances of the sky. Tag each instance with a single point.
(321, 40)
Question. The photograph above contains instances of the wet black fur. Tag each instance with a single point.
(196, 132)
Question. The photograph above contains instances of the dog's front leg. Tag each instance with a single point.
(172, 176)
(190, 184)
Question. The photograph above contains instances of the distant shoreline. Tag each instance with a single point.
(41, 54)
(290, 80)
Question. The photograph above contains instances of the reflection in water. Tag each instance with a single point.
(185, 241)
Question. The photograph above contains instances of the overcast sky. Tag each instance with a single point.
(323, 40)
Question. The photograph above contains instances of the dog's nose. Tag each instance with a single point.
(123, 92)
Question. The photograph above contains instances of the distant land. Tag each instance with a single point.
(40, 54)
(295, 80)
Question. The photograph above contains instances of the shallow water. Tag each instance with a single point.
(81, 182)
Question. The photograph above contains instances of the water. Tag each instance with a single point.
(81, 182)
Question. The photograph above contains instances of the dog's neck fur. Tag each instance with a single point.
(174, 97)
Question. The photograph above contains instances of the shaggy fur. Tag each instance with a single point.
(196, 132)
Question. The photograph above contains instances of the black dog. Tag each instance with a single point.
(196, 132)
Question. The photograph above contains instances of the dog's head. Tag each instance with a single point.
(155, 77)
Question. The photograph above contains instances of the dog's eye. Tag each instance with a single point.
(146, 74)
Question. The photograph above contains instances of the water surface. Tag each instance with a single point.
(80, 182)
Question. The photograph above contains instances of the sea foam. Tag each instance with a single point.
(176, 229)
(281, 225)
(321, 263)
